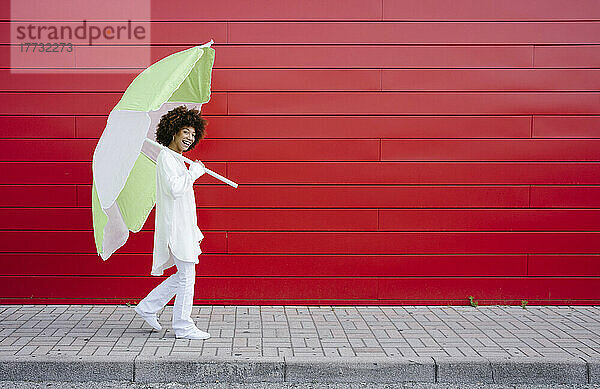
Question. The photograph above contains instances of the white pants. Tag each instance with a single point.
(180, 285)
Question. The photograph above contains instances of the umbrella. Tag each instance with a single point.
(124, 161)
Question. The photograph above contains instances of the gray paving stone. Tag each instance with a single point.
(277, 331)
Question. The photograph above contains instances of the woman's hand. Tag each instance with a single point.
(197, 169)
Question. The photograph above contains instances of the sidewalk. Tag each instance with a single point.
(491, 344)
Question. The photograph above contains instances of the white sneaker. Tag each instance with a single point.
(150, 319)
(195, 334)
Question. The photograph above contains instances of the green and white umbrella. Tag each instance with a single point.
(124, 162)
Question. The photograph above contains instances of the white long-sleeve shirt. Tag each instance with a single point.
(175, 219)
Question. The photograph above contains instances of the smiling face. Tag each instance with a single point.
(183, 139)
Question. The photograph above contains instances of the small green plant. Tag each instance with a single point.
(524, 303)
(473, 302)
(128, 303)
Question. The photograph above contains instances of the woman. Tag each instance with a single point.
(176, 235)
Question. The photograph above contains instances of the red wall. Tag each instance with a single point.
(388, 152)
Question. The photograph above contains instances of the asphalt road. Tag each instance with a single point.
(130, 385)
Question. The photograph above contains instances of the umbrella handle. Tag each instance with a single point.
(189, 161)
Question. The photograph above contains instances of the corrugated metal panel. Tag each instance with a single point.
(387, 153)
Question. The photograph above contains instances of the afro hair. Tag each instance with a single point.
(176, 119)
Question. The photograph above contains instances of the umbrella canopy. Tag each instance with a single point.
(124, 165)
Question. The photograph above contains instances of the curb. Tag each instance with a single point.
(193, 369)
(66, 368)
